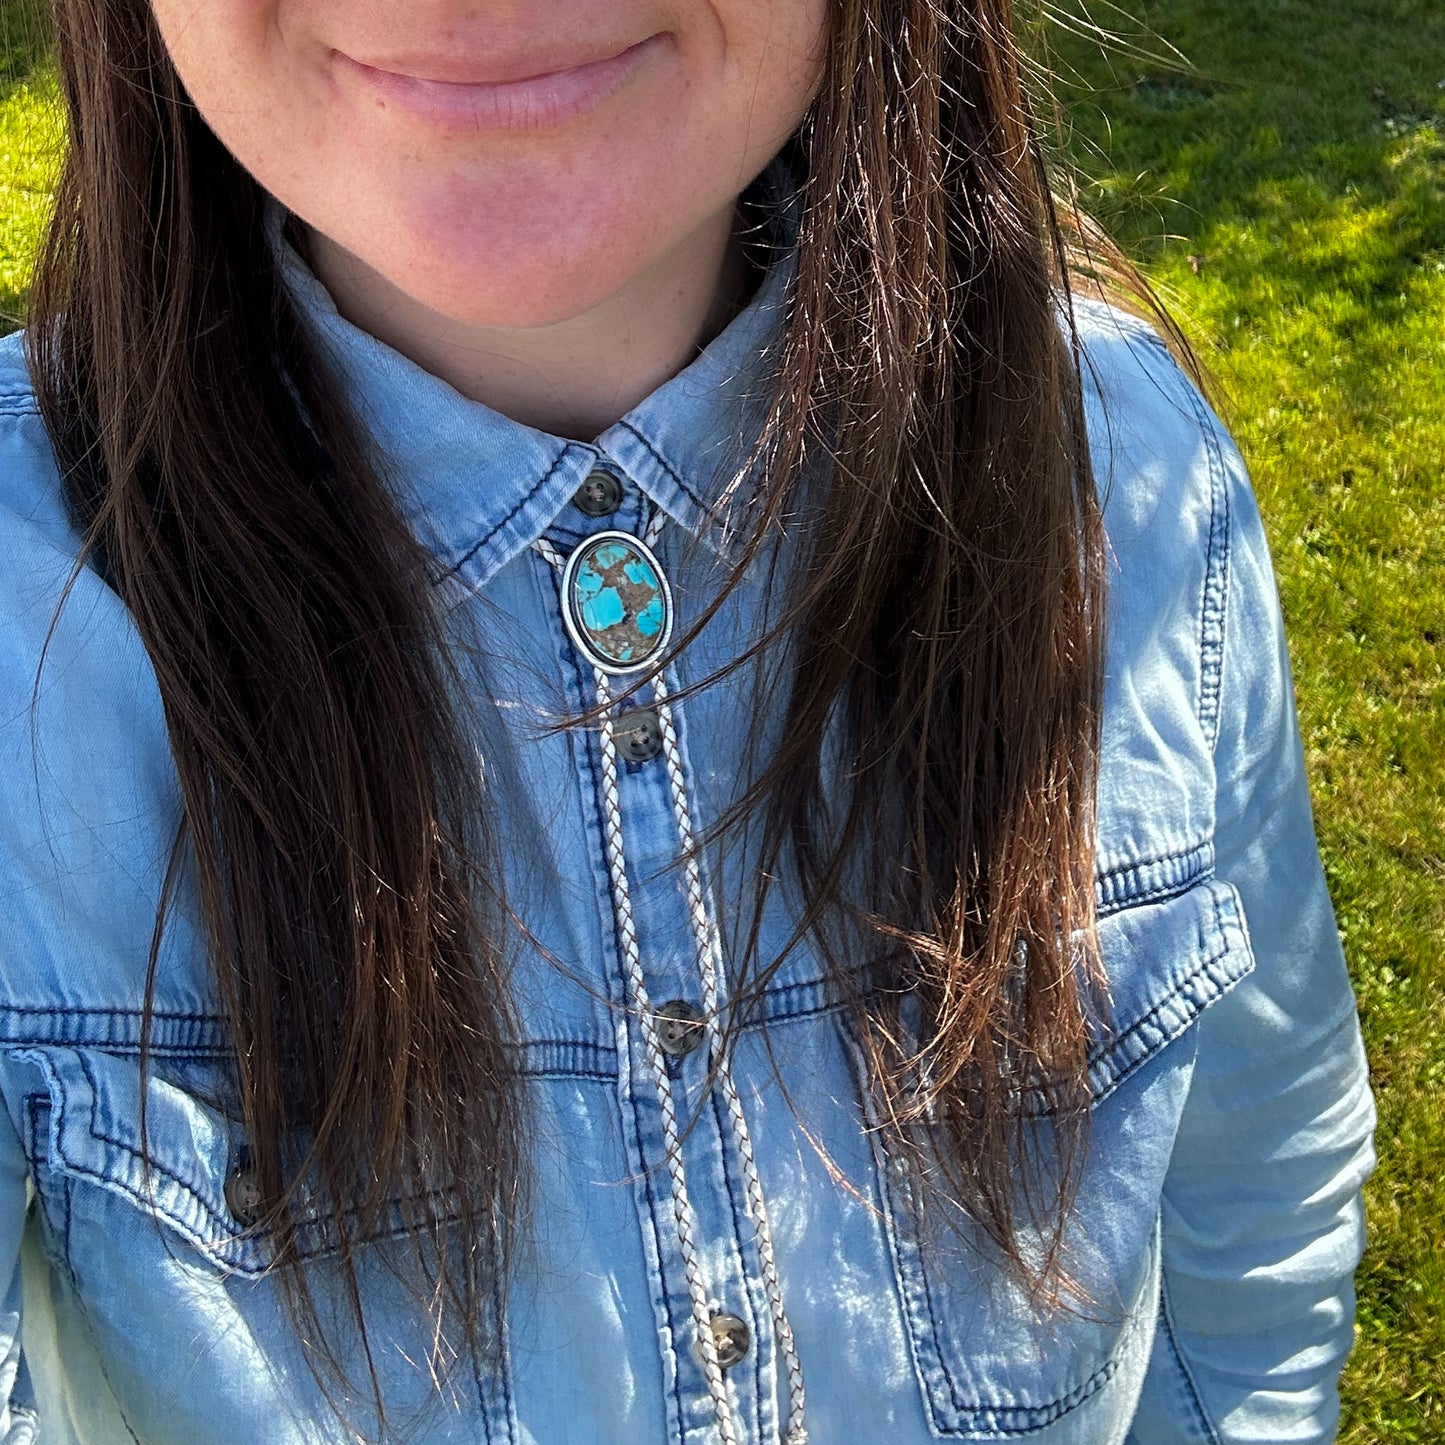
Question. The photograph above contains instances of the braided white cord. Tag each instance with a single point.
(656, 1060)
(709, 953)
(657, 1064)
(708, 956)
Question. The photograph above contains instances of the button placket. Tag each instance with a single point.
(714, 1173)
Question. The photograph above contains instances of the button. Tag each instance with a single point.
(616, 603)
(599, 496)
(679, 1028)
(638, 735)
(243, 1195)
(730, 1338)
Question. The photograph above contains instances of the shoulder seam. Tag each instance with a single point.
(1215, 595)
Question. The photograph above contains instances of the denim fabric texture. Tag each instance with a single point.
(1219, 1218)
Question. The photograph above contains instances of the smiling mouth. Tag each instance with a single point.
(533, 102)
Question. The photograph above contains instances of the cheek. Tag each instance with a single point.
(775, 56)
(234, 60)
(216, 45)
(784, 41)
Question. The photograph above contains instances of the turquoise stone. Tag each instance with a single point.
(616, 601)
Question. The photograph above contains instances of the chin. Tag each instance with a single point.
(488, 264)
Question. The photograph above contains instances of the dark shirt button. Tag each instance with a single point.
(731, 1338)
(679, 1028)
(599, 496)
(243, 1196)
(638, 735)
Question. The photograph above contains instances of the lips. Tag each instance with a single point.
(521, 93)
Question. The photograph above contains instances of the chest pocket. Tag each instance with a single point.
(989, 1365)
(162, 1268)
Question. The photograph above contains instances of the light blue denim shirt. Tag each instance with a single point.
(1219, 1218)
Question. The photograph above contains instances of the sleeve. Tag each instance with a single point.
(18, 1423)
(1262, 1219)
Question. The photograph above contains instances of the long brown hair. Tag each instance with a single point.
(939, 650)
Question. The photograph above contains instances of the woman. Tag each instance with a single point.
(651, 794)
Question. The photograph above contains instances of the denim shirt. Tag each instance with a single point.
(1218, 1221)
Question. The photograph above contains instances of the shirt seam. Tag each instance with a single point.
(1166, 1314)
(503, 1374)
(593, 1060)
(66, 1181)
(1215, 587)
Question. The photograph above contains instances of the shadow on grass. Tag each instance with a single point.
(24, 41)
(1301, 153)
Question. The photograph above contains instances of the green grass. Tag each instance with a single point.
(1285, 191)
(30, 139)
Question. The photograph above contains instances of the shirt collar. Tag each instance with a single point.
(478, 487)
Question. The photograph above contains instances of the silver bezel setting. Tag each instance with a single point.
(574, 627)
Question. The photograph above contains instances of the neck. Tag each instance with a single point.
(573, 377)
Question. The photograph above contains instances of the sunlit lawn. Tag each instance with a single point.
(1286, 191)
(29, 138)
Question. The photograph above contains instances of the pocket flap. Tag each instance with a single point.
(1165, 963)
(95, 1135)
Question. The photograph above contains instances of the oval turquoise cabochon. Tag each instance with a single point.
(616, 602)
